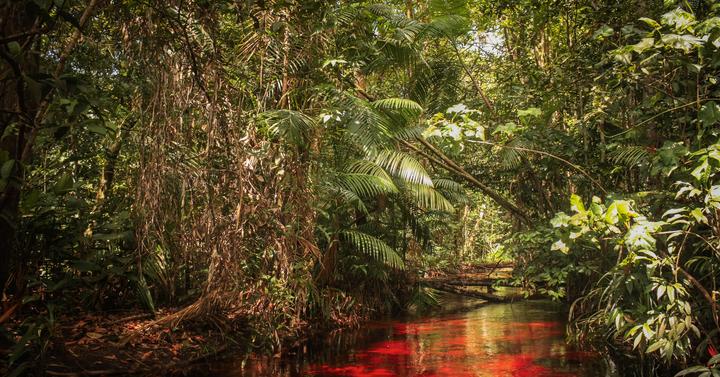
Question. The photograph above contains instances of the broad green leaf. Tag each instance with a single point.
(603, 32)
(650, 22)
(660, 291)
(678, 18)
(6, 169)
(700, 171)
(699, 216)
(576, 204)
(529, 112)
(560, 220)
(560, 246)
(644, 44)
(709, 113)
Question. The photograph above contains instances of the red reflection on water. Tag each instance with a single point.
(462, 347)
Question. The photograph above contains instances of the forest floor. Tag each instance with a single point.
(114, 344)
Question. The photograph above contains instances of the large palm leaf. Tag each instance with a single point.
(402, 165)
(289, 125)
(373, 247)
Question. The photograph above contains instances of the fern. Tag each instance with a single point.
(373, 247)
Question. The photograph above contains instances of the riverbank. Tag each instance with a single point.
(81, 342)
(131, 343)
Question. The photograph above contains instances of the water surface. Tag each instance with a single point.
(521, 339)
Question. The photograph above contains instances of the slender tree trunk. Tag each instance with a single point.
(22, 109)
(17, 106)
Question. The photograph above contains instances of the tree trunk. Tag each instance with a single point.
(17, 108)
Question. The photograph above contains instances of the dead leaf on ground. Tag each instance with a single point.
(93, 335)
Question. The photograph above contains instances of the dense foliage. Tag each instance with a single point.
(273, 166)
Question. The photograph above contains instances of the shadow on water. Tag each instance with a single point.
(525, 338)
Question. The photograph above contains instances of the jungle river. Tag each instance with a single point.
(521, 339)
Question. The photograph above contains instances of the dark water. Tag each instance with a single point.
(522, 339)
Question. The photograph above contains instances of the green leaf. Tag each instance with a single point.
(611, 215)
(644, 44)
(709, 113)
(650, 22)
(603, 32)
(402, 165)
(685, 42)
(693, 369)
(128, 235)
(398, 104)
(560, 220)
(678, 18)
(334, 62)
(529, 112)
(374, 247)
(428, 198)
(660, 291)
(655, 346)
(6, 169)
(84, 265)
(714, 360)
(560, 246)
(700, 171)
(292, 126)
(576, 204)
(14, 48)
(699, 216)
(637, 340)
(64, 184)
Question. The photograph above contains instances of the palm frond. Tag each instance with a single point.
(630, 155)
(367, 167)
(384, 10)
(510, 156)
(448, 26)
(345, 15)
(451, 190)
(365, 126)
(365, 185)
(409, 133)
(448, 7)
(293, 126)
(398, 104)
(373, 247)
(448, 185)
(428, 198)
(402, 165)
(350, 197)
